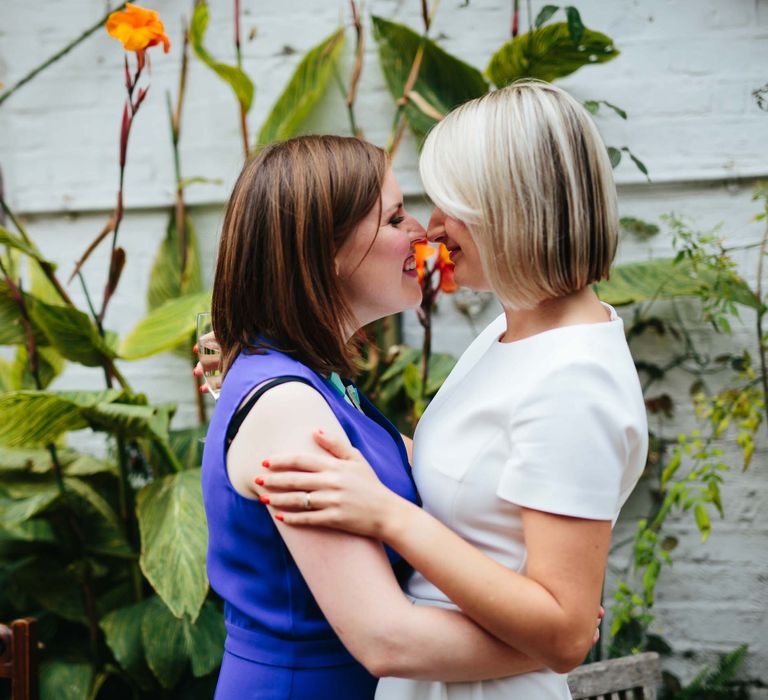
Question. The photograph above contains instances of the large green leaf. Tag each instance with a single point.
(11, 325)
(165, 327)
(304, 89)
(122, 631)
(239, 82)
(663, 278)
(35, 461)
(174, 540)
(11, 239)
(49, 366)
(37, 418)
(165, 280)
(20, 502)
(170, 643)
(548, 53)
(444, 81)
(65, 679)
(46, 580)
(70, 331)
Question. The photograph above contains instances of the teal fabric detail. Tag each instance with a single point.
(349, 392)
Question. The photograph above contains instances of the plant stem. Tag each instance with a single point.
(59, 54)
(761, 340)
(239, 56)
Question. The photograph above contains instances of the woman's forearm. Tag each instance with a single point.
(431, 643)
(517, 609)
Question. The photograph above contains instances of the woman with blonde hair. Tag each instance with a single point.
(527, 453)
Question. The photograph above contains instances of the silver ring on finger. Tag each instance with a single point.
(307, 501)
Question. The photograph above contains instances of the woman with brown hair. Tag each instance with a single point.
(315, 244)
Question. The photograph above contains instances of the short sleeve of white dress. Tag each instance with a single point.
(572, 438)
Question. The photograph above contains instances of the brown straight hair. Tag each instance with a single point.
(292, 207)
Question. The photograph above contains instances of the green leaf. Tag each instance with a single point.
(638, 228)
(49, 366)
(440, 366)
(36, 461)
(174, 540)
(444, 81)
(12, 240)
(548, 53)
(412, 382)
(37, 418)
(239, 82)
(614, 154)
(70, 331)
(170, 643)
(165, 327)
(702, 521)
(304, 89)
(662, 278)
(65, 679)
(19, 502)
(52, 586)
(545, 14)
(165, 281)
(122, 631)
(11, 325)
(575, 25)
(102, 528)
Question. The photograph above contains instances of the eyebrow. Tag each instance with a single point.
(393, 207)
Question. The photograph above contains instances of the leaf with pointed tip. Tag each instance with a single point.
(548, 53)
(174, 540)
(19, 502)
(70, 331)
(65, 679)
(122, 632)
(663, 278)
(12, 240)
(11, 324)
(545, 14)
(443, 82)
(240, 83)
(170, 643)
(304, 89)
(165, 327)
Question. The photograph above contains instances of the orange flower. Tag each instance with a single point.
(445, 265)
(138, 28)
(423, 252)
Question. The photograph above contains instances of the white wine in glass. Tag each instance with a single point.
(209, 352)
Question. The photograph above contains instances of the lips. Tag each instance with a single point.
(410, 264)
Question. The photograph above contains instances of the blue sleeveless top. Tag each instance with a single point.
(270, 614)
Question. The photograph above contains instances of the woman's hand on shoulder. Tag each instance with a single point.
(338, 490)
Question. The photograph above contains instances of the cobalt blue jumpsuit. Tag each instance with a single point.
(279, 646)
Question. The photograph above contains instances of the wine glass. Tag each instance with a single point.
(209, 353)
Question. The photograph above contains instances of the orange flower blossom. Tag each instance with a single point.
(138, 28)
(443, 265)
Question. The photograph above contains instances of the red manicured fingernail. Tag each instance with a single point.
(194, 348)
(264, 499)
(259, 481)
(265, 464)
(279, 516)
(200, 389)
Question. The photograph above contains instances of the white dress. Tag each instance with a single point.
(555, 422)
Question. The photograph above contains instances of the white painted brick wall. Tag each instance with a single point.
(685, 77)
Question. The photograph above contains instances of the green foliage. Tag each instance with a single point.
(304, 89)
(713, 683)
(548, 53)
(240, 83)
(174, 541)
(443, 80)
(166, 327)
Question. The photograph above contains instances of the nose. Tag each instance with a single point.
(436, 226)
(415, 230)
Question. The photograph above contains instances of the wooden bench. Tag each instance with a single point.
(19, 658)
(626, 678)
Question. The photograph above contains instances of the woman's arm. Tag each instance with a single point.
(350, 576)
(547, 613)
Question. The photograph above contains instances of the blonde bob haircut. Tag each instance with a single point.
(527, 172)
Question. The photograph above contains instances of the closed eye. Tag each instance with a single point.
(395, 220)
